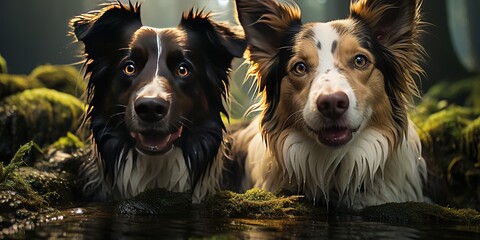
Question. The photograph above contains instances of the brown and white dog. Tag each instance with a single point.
(155, 101)
(334, 122)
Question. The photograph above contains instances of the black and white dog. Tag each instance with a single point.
(155, 101)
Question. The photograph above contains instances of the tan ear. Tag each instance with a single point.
(395, 30)
(392, 21)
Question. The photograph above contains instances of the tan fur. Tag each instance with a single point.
(382, 161)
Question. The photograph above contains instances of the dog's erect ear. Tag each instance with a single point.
(106, 30)
(223, 39)
(270, 29)
(269, 26)
(395, 26)
(392, 21)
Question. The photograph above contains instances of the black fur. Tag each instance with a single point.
(107, 35)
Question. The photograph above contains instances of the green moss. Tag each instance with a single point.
(61, 78)
(22, 205)
(154, 202)
(57, 188)
(15, 192)
(16, 161)
(424, 109)
(412, 212)
(451, 120)
(255, 203)
(471, 140)
(69, 143)
(463, 92)
(11, 84)
(3, 65)
(42, 115)
(442, 132)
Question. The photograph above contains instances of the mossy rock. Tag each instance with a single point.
(471, 140)
(56, 188)
(42, 115)
(255, 203)
(22, 205)
(15, 192)
(424, 109)
(415, 212)
(3, 65)
(463, 92)
(11, 84)
(62, 78)
(442, 132)
(155, 202)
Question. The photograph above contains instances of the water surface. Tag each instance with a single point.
(99, 222)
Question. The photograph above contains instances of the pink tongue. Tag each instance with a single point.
(335, 137)
(156, 143)
(335, 134)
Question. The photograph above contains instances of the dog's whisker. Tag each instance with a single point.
(186, 119)
(288, 118)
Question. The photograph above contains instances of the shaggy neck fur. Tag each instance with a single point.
(140, 172)
(364, 172)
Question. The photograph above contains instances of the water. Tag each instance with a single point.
(98, 222)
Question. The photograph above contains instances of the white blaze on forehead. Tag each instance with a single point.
(159, 51)
(328, 78)
(157, 87)
(327, 39)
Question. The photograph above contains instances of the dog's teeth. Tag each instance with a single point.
(169, 137)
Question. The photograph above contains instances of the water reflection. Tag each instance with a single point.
(98, 222)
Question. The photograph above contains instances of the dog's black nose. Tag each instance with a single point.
(151, 109)
(333, 105)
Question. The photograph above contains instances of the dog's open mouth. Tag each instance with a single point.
(155, 143)
(334, 136)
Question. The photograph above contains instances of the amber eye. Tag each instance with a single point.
(360, 61)
(300, 68)
(129, 69)
(182, 70)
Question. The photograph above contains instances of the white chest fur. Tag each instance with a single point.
(168, 171)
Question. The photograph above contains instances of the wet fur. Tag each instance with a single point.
(382, 162)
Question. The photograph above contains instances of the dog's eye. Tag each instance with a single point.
(129, 69)
(300, 68)
(183, 71)
(360, 61)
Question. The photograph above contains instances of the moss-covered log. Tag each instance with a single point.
(412, 212)
(42, 115)
(62, 78)
(255, 203)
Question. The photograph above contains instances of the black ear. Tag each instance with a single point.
(107, 30)
(223, 38)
